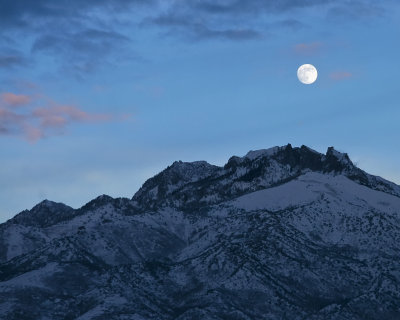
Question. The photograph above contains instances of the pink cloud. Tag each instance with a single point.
(38, 116)
(340, 75)
(80, 115)
(307, 48)
(14, 100)
(31, 133)
(55, 121)
(61, 115)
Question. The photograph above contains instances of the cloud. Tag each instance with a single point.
(10, 61)
(38, 116)
(83, 51)
(80, 43)
(28, 14)
(244, 7)
(77, 35)
(251, 19)
(80, 36)
(292, 24)
(307, 49)
(11, 99)
(235, 20)
(58, 115)
(340, 75)
(355, 10)
(10, 57)
(197, 29)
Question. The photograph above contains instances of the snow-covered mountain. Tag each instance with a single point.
(281, 233)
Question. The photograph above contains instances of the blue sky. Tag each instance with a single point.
(97, 97)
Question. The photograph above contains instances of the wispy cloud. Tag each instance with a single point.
(192, 28)
(27, 14)
(307, 49)
(11, 99)
(292, 24)
(11, 58)
(244, 7)
(236, 34)
(38, 116)
(81, 52)
(356, 10)
(9, 61)
(340, 75)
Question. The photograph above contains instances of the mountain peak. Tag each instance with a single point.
(98, 202)
(254, 154)
(186, 170)
(332, 152)
(156, 189)
(304, 158)
(337, 161)
(44, 214)
(46, 204)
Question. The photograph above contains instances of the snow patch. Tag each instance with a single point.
(251, 155)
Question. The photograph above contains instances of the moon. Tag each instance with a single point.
(307, 73)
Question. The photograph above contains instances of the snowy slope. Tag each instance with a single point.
(281, 233)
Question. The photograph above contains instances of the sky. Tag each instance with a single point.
(98, 96)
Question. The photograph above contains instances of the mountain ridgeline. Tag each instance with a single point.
(280, 233)
(196, 184)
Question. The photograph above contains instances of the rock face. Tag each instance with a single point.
(281, 233)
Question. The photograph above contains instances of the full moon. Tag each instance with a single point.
(307, 73)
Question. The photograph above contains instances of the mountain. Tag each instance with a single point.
(280, 233)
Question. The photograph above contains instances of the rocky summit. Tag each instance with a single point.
(280, 233)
